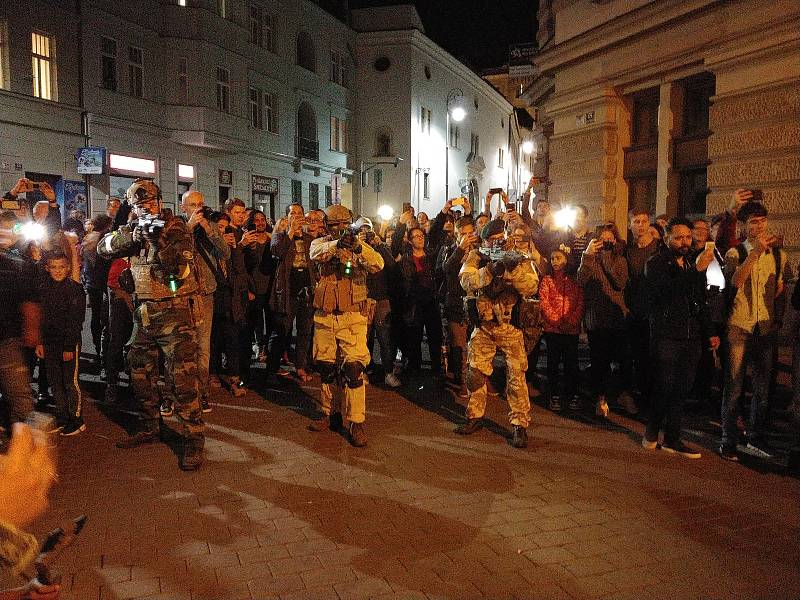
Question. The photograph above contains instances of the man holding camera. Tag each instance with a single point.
(494, 288)
(164, 280)
(340, 321)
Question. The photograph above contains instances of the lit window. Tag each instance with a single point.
(132, 164)
(338, 134)
(425, 120)
(181, 2)
(3, 55)
(108, 64)
(186, 172)
(500, 157)
(42, 53)
(338, 70)
(223, 90)
(256, 115)
(135, 71)
(183, 81)
(270, 112)
(426, 185)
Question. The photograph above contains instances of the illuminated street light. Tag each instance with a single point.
(458, 113)
(527, 147)
(386, 212)
(455, 97)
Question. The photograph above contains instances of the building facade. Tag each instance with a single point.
(671, 105)
(243, 98)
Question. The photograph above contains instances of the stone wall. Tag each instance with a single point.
(755, 143)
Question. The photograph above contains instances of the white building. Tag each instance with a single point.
(231, 97)
(403, 81)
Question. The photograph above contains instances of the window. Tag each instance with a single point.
(474, 146)
(260, 27)
(338, 134)
(338, 68)
(135, 71)
(454, 135)
(256, 116)
(297, 190)
(424, 120)
(306, 55)
(693, 188)
(183, 81)
(696, 102)
(108, 64)
(4, 83)
(181, 2)
(383, 144)
(500, 157)
(313, 195)
(426, 185)
(644, 120)
(221, 8)
(270, 112)
(223, 90)
(42, 53)
(328, 195)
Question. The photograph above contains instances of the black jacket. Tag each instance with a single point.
(450, 260)
(676, 298)
(63, 311)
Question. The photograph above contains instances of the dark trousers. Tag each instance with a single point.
(116, 335)
(675, 365)
(14, 380)
(426, 317)
(562, 348)
(98, 302)
(62, 375)
(259, 319)
(302, 311)
(636, 367)
(381, 328)
(225, 340)
(604, 348)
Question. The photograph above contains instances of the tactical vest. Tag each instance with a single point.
(337, 291)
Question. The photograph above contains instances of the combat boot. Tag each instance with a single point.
(519, 438)
(470, 427)
(192, 457)
(358, 437)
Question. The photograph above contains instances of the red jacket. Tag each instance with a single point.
(561, 302)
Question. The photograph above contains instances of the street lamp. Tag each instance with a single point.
(527, 147)
(458, 112)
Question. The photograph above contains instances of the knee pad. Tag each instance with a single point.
(327, 372)
(475, 380)
(352, 374)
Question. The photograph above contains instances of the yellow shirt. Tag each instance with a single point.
(754, 303)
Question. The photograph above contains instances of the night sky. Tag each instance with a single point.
(477, 32)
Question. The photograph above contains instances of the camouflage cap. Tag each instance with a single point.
(143, 190)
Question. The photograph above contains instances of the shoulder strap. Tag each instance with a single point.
(741, 249)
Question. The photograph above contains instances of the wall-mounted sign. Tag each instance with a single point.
(520, 59)
(584, 119)
(265, 185)
(225, 177)
(71, 195)
(91, 160)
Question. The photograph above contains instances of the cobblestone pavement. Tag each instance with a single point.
(280, 512)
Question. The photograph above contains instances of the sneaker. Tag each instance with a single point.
(728, 453)
(682, 449)
(601, 408)
(760, 448)
(470, 427)
(139, 439)
(205, 407)
(555, 403)
(74, 427)
(358, 437)
(648, 445)
(166, 409)
(575, 402)
(392, 380)
(628, 404)
(519, 437)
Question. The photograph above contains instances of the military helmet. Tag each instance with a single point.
(143, 190)
(338, 214)
(363, 222)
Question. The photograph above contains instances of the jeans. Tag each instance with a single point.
(381, 327)
(675, 363)
(427, 317)
(14, 378)
(562, 348)
(759, 349)
(636, 366)
(63, 378)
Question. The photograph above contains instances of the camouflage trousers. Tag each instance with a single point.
(169, 329)
(486, 340)
(342, 339)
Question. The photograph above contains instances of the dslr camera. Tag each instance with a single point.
(151, 225)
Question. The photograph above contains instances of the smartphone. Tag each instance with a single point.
(710, 246)
(35, 185)
(511, 207)
(758, 196)
(494, 191)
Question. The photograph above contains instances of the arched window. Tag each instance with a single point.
(306, 56)
(307, 144)
(383, 143)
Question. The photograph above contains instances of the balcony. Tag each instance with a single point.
(306, 148)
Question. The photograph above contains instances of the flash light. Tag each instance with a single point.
(32, 232)
(386, 212)
(565, 218)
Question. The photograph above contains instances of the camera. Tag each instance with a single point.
(207, 212)
(608, 245)
(151, 225)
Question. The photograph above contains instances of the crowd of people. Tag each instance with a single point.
(181, 304)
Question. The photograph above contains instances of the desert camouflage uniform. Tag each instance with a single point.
(496, 332)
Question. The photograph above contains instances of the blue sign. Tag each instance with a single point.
(91, 160)
(71, 195)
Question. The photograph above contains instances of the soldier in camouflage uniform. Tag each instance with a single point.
(340, 322)
(165, 282)
(495, 291)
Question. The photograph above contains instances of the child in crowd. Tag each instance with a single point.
(63, 310)
(561, 301)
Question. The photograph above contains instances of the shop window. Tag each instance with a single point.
(108, 64)
(43, 64)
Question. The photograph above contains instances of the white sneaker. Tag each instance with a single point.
(391, 380)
